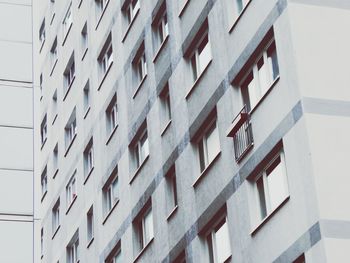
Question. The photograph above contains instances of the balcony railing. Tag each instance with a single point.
(241, 132)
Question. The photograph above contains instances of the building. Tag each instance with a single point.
(16, 131)
(194, 131)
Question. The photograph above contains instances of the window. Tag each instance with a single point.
(209, 145)
(140, 66)
(73, 249)
(56, 217)
(41, 85)
(116, 255)
(219, 242)
(111, 192)
(160, 25)
(55, 160)
(105, 59)
(67, 21)
(260, 77)
(131, 10)
(84, 40)
(54, 55)
(42, 242)
(43, 130)
(171, 190)
(70, 130)
(69, 74)
(143, 226)
(87, 98)
(117, 258)
(54, 107)
(165, 106)
(200, 56)
(44, 182)
(88, 158)
(140, 148)
(90, 224)
(42, 34)
(100, 7)
(112, 115)
(271, 186)
(71, 190)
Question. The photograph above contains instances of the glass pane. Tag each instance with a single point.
(272, 61)
(239, 5)
(222, 244)
(144, 147)
(115, 189)
(261, 193)
(264, 80)
(276, 183)
(194, 67)
(204, 54)
(201, 156)
(148, 224)
(213, 142)
(118, 258)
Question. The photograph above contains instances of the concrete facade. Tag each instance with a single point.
(16, 129)
(305, 114)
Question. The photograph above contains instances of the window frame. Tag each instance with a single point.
(165, 101)
(110, 197)
(90, 226)
(67, 22)
(71, 191)
(105, 58)
(131, 10)
(112, 117)
(44, 182)
(73, 249)
(88, 159)
(56, 217)
(42, 33)
(70, 131)
(43, 130)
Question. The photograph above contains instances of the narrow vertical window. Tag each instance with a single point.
(111, 192)
(44, 182)
(90, 225)
(139, 68)
(84, 40)
(42, 242)
(89, 159)
(143, 227)
(42, 34)
(56, 217)
(55, 160)
(53, 55)
(105, 58)
(67, 21)
(43, 130)
(69, 75)
(87, 98)
(71, 190)
(73, 249)
(165, 106)
(160, 25)
(112, 116)
(171, 184)
(131, 10)
(141, 149)
(70, 130)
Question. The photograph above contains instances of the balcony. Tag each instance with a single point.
(241, 132)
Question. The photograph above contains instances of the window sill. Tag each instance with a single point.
(110, 212)
(53, 67)
(90, 242)
(161, 47)
(267, 218)
(86, 112)
(68, 89)
(265, 95)
(172, 213)
(66, 35)
(143, 250)
(43, 196)
(130, 25)
(43, 144)
(88, 175)
(54, 119)
(71, 204)
(52, 18)
(54, 234)
(55, 174)
(111, 134)
(139, 169)
(198, 80)
(205, 171)
(183, 8)
(70, 145)
(100, 18)
(239, 17)
(105, 76)
(167, 125)
(139, 86)
(42, 45)
(79, 4)
(84, 53)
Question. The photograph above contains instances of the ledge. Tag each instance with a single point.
(182, 10)
(55, 173)
(52, 18)
(172, 213)
(53, 67)
(111, 135)
(110, 212)
(130, 25)
(105, 76)
(138, 169)
(165, 128)
(71, 204)
(70, 145)
(103, 12)
(267, 218)
(68, 89)
(200, 177)
(43, 196)
(86, 112)
(139, 86)
(143, 250)
(54, 119)
(198, 80)
(54, 234)
(161, 47)
(88, 175)
(84, 53)
(239, 17)
(43, 144)
(66, 35)
(90, 242)
(41, 46)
